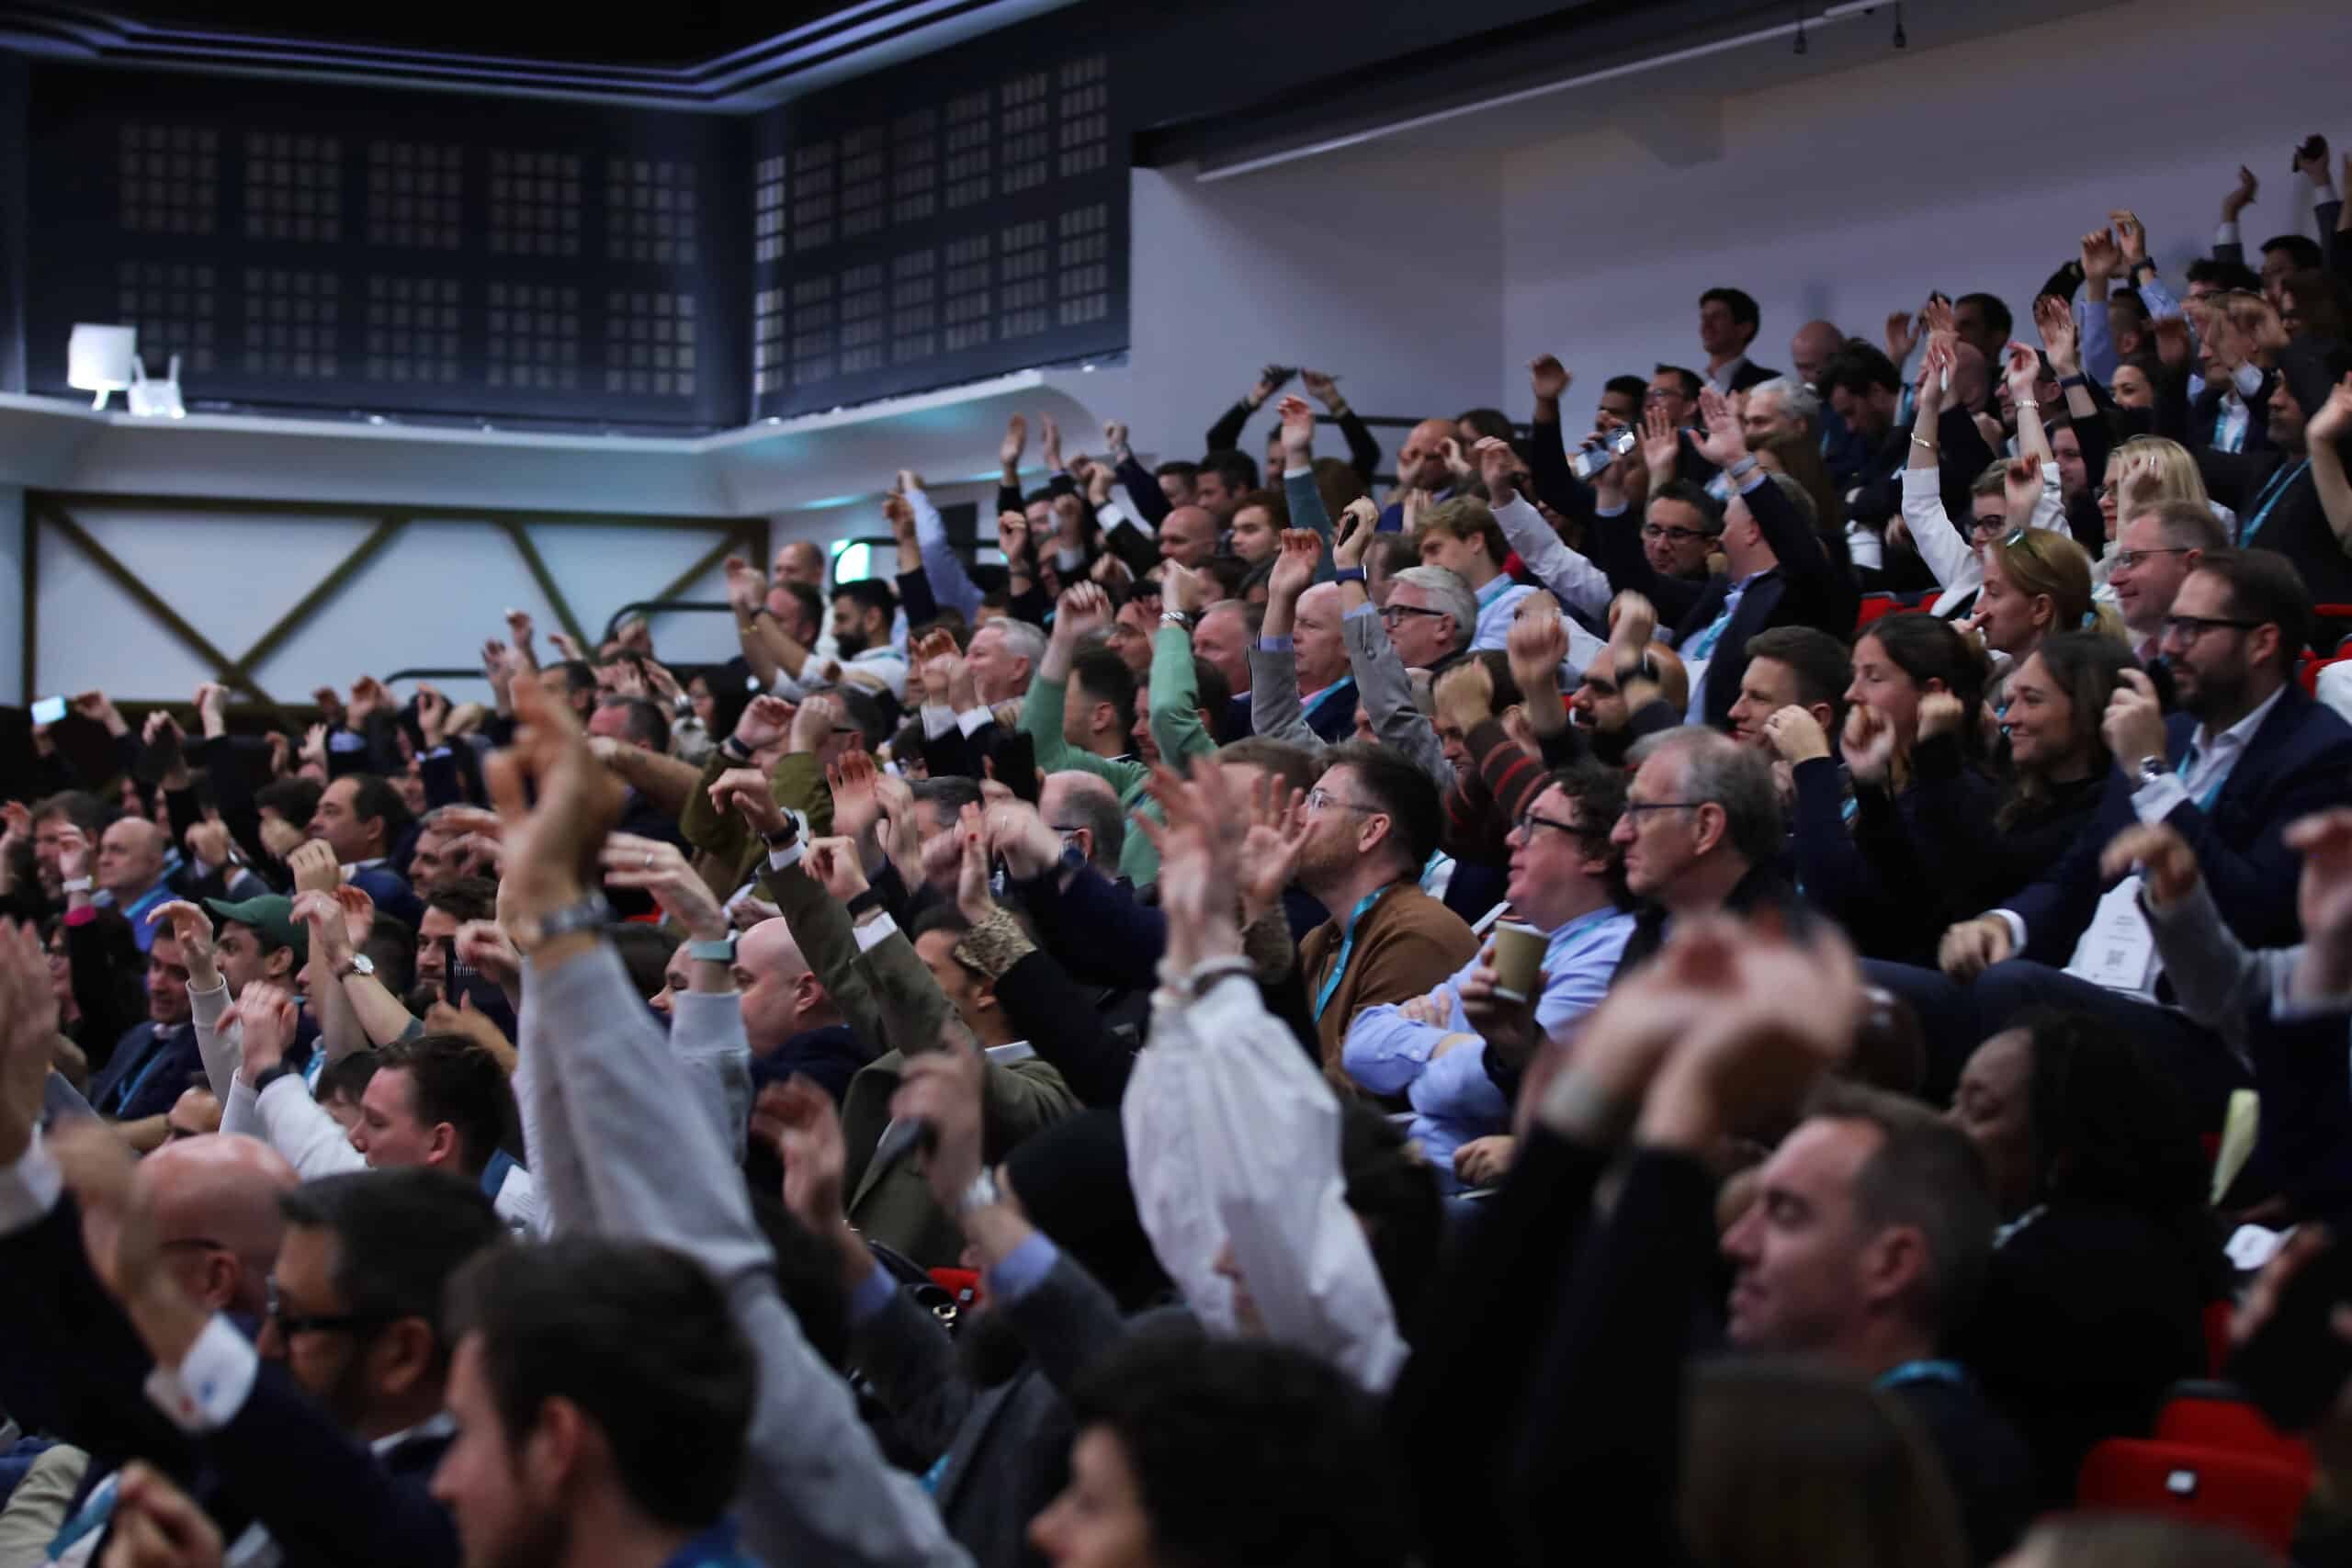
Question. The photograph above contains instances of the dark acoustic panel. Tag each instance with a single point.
(983, 232)
(309, 246)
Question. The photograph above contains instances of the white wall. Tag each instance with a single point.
(1973, 166)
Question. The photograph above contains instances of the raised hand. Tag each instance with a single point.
(1199, 849)
(942, 1089)
(2022, 368)
(1294, 563)
(358, 913)
(1661, 442)
(2100, 260)
(2241, 195)
(552, 842)
(212, 708)
(765, 721)
(745, 791)
(2133, 725)
(1465, 696)
(1358, 523)
(1016, 442)
(314, 868)
(1548, 377)
(1632, 623)
(267, 1017)
(2324, 901)
(1935, 375)
(1184, 590)
(1274, 839)
(1940, 713)
(1269, 382)
(1937, 317)
(192, 929)
(432, 712)
(2310, 159)
(368, 697)
(1013, 539)
(835, 865)
(797, 1120)
(2334, 421)
(74, 851)
(1049, 444)
(2131, 237)
(857, 803)
(2167, 865)
(1901, 335)
(98, 708)
(1869, 744)
(2020, 489)
(656, 866)
(1498, 470)
(1455, 463)
(1796, 735)
(330, 931)
(480, 945)
(2055, 321)
(974, 901)
(1537, 644)
(1298, 432)
(27, 1030)
(1323, 388)
(1082, 608)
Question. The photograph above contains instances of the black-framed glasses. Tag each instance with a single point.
(1530, 821)
(1393, 613)
(289, 1323)
(1680, 536)
(2189, 628)
(1321, 799)
(2131, 560)
(1985, 527)
(1635, 809)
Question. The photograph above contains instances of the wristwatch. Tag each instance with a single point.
(270, 1074)
(1348, 574)
(79, 884)
(718, 950)
(981, 1194)
(357, 964)
(2153, 768)
(591, 913)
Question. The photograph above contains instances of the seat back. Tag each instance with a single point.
(2214, 1417)
(2259, 1498)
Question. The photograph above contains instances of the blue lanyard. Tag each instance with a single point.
(2214, 793)
(2280, 483)
(494, 1175)
(1951, 1372)
(130, 1092)
(1347, 946)
(1325, 695)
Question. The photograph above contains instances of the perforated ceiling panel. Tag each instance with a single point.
(309, 246)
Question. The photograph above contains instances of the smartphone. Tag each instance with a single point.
(2295, 1364)
(49, 710)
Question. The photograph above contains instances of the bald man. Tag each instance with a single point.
(1421, 465)
(1084, 811)
(802, 561)
(217, 1212)
(1188, 535)
(1810, 350)
(131, 873)
(790, 1020)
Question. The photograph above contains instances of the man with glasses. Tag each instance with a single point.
(2247, 754)
(1679, 530)
(1373, 819)
(2154, 552)
(1700, 833)
(1568, 881)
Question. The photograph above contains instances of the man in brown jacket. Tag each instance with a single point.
(1372, 823)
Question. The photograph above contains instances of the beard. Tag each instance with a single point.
(851, 643)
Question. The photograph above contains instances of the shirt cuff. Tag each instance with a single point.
(779, 860)
(973, 720)
(871, 934)
(1274, 645)
(344, 740)
(1366, 608)
(1608, 510)
(83, 916)
(29, 1188)
(872, 1294)
(1290, 473)
(1022, 1270)
(938, 718)
(2227, 234)
(212, 1383)
(2016, 922)
(2155, 800)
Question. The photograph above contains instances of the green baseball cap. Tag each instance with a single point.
(273, 916)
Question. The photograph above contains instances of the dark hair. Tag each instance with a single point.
(1710, 510)
(1178, 468)
(2321, 300)
(2108, 1124)
(2087, 667)
(1295, 766)
(1859, 366)
(1600, 794)
(2304, 251)
(453, 1079)
(863, 708)
(644, 952)
(811, 602)
(1245, 1451)
(578, 675)
(647, 724)
(2263, 586)
(1394, 551)
(399, 1235)
(1928, 1174)
(1213, 694)
(1631, 387)
(1416, 815)
(1690, 380)
(1107, 679)
(467, 898)
(950, 792)
(641, 1339)
(1239, 469)
(1271, 500)
(1800, 460)
(391, 948)
(1744, 311)
(1927, 649)
(377, 799)
(295, 799)
(1229, 572)
(1997, 314)
(81, 809)
(2128, 295)
(1820, 662)
(2226, 274)
(346, 1075)
(1489, 422)
(870, 593)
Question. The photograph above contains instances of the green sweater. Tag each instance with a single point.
(1041, 720)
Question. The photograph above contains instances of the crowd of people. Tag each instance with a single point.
(1704, 991)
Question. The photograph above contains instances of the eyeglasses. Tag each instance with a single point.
(2189, 628)
(1395, 613)
(1985, 527)
(1635, 809)
(1660, 395)
(1528, 821)
(1321, 799)
(289, 1323)
(2132, 560)
(1680, 536)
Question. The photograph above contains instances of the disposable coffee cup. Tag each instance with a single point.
(1519, 958)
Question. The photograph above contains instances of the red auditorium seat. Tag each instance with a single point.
(2212, 1415)
(1874, 607)
(2258, 1497)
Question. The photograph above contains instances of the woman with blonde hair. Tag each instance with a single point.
(2036, 583)
(2027, 484)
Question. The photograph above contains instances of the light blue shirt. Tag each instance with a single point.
(1497, 603)
(1454, 1098)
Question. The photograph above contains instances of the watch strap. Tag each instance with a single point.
(869, 899)
(1348, 574)
(270, 1074)
(591, 913)
(718, 950)
(79, 884)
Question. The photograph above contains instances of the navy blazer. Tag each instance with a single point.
(1808, 588)
(2299, 761)
(147, 1071)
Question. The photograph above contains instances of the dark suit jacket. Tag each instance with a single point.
(146, 1072)
(1334, 718)
(2298, 761)
(1806, 589)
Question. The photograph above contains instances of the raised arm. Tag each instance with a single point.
(1573, 579)
(2325, 436)
(1275, 710)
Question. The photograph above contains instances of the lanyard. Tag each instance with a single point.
(2213, 792)
(494, 1175)
(2280, 482)
(1325, 695)
(1347, 945)
(128, 1093)
(1951, 1372)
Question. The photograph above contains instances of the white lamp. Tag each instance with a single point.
(151, 399)
(99, 359)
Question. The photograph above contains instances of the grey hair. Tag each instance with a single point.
(1021, 638)
(1448, 593)
(1800, 399)
(1717, 769)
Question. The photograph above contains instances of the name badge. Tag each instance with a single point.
(2119, 952)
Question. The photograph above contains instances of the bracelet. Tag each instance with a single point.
(1349, 574)
(869, 899)
(1176, 618)
(2034, 404)
(783, 837)
(1923, 440)
(1742, 469)
(734, 751)
(591, 913)
(2077, 379)
(79, 884)
(1209, 973)
(270, 1074)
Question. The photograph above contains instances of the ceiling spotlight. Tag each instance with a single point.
(101, 359)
